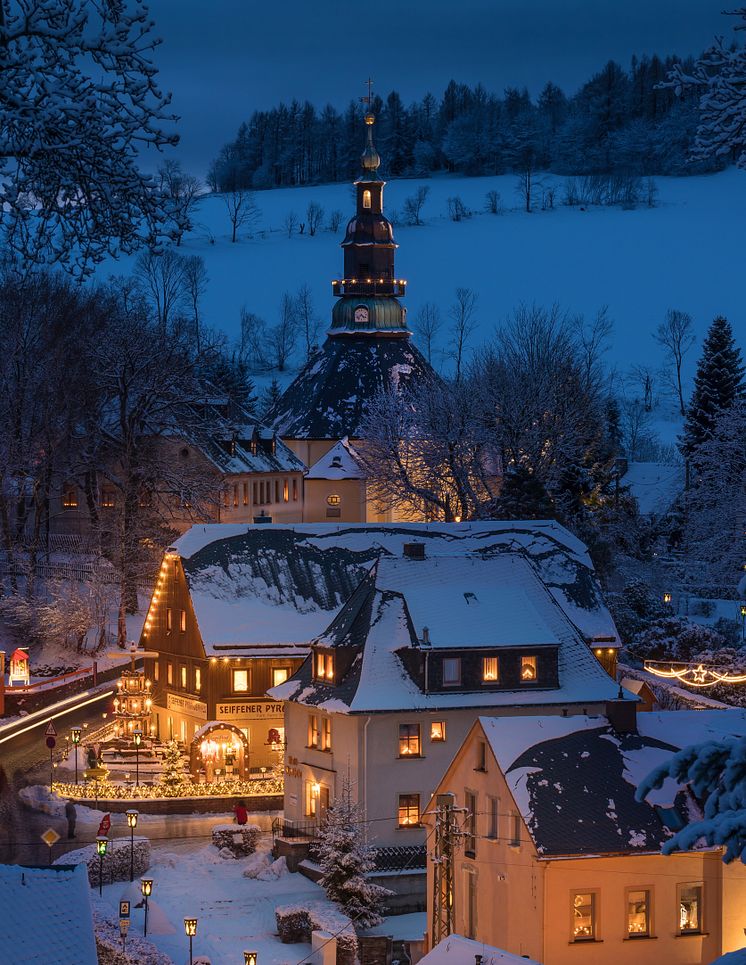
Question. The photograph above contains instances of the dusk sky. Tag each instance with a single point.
(226, 58)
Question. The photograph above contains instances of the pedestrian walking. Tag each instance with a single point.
(72, 815)
(239, 809)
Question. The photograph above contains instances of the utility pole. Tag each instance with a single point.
(446, 836)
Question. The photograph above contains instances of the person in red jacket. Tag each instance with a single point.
(242, 815)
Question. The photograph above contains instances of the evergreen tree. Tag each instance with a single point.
(270, 397)
(717, 385)
(345, 859)
(523, 496)
(172, 776)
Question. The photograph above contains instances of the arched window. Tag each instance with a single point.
(366, 199)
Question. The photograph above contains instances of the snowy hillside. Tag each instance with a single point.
(687, 252)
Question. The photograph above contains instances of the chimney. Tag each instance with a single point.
(477, 960)
(414, 551)
(622, 715)
(425, 637)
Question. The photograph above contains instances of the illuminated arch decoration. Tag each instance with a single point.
(214, 756)
(692, 674)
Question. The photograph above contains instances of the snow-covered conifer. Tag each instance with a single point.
(172, 775)
(345, 859)
(717, 385)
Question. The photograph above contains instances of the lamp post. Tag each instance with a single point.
(743, 622)
(146, 887)
(75, 733)
(137, 738)
(190, 927)
(102, 843)
(667, 598)
(132, 816)
(250, 958)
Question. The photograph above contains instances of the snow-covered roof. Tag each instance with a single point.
(457, 950)
(574, 778)
(655, 485)
(46, 916)
(341, 462)
(271, 585)
(466, 602)
(328, 398)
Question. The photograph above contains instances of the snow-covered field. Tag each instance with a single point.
(686, 252)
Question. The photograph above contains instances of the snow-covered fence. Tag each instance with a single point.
(116, 863)
(240, 839)
(296, 923)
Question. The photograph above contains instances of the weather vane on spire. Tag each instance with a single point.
(368, 99)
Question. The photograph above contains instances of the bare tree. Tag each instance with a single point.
(644, 377)
(253, 341)
(181, 192)
(492, 202)
(306, 318)
(195, 282)
(283, 335)
(593, 342)
(463, 325)
(427, 324)
(314, 217)
(335, 220)
(161, 278)
(290, 223)
(413, 205)
(243, 210)
(676, 336)
(457, 210)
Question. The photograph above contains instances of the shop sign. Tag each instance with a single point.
(255, 708)
(185, 705)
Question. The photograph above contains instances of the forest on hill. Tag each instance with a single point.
(621, 121)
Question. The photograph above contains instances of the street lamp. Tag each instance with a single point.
(75, 733)
(137, 738)
(743, 622)
(190, 927)
(102, 843)
(667, 599)
(146, 887)
(250, 958)
(132, 816)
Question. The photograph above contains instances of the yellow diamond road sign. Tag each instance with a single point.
(50, 837)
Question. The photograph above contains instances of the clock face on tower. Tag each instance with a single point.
(361, 314)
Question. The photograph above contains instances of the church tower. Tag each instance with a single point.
(368, 348)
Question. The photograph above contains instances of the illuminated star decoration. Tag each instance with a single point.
(693, 675)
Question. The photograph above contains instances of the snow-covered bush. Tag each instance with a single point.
(116, 863)
(296, 922)
(674, 638)
(633, 608)
(240, 839)
(345, 859)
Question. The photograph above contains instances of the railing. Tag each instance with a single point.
(291, 829)
(49, 682)
(369, 286)
(403, 858)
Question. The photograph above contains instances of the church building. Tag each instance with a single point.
(368, 348)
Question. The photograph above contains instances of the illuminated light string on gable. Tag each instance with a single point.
(692, 674)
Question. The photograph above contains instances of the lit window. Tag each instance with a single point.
(409, 810)
(320, 666)
(334, 500)
(313, 731)
(246, 494)
(489, 670)
(107, 498)
(528, 669)
(235, 495)
(437, 730)
(70, 497)
(329, 661)
(690, 909)
(584, 917)
(493, 811)
(183, 677)
(182, 621)
(279, 675)
(326, 734)
(197, 678)
(169, 619)
(240, 681)
(170, 673)
(156, 670)
(285, 493)
(366, 199)
(312, 795)
(638, 914)
(409, 740)
(451, 671)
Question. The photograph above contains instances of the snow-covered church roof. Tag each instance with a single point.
(263, 586)
(574, 778)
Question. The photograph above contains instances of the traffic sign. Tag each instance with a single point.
(51, 730)
(51, 742)
(124, 909)
(50, 837)
(103, 828)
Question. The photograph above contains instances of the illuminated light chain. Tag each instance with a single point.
(693, 675)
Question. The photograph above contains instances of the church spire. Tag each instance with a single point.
(369, 288)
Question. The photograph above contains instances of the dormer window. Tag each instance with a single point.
(366, 199)
(490, 670)
(529, 670)
(324, 666)
(451, 671)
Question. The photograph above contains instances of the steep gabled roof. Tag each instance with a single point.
(327, 399)
(341, 462)
(574, 778)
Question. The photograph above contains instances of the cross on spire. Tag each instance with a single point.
(368, 99)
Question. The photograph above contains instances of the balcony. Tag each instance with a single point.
(369, 286)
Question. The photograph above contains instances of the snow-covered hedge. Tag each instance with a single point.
(296, 922)
(116, 864)
(240, 839)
